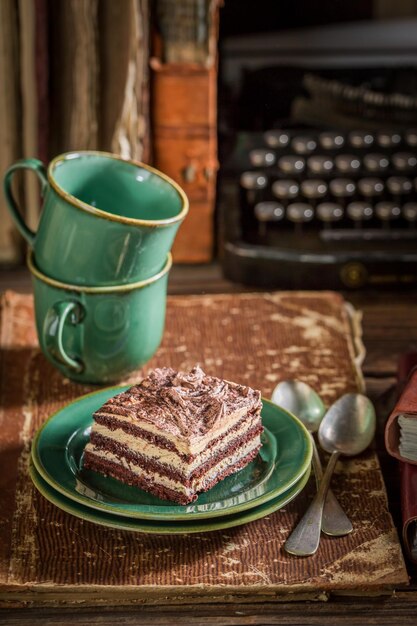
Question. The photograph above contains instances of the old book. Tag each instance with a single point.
(185, 128)
(49, 557)
(10, 132)
(24, 103)
(42, 71)
(400, 430)
(74, 71)
(123, 42)
(33, 86)
(408, 472)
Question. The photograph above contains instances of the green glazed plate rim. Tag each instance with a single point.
(165, 512)
(157, 527)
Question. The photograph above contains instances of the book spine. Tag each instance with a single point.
(10, 121)
(184, 114)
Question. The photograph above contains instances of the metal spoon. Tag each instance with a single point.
(301, 400)
(347, 428)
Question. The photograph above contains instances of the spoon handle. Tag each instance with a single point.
(305, 538)
(335, 522)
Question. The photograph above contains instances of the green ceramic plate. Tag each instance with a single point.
(160, 527)
(58, 447)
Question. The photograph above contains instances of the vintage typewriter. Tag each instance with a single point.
(323, 193)
(343, 204)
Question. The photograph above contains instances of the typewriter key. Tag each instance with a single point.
(347, 163)
(331, 141)
(411, 137)
(399, 185)
(303, 145)
(387, 211)
(253, 180)
(342, 187)
(359, 211)
(409, 211)
(319, 164)
(404, 161)
(387, 139)
(252, 186)
(313, 188)
(292, 164)
(375, 162)
(329, 212)
(361, 139)
(268, 212)
(276, 138)
(370, 187)
(262, 158)
(300, 212)
(285, 189)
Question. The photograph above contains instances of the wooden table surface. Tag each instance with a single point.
(389, 329)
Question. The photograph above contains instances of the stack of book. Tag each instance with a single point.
(73, 76)
(78, 76)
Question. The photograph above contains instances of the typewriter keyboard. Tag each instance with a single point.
(353, 188)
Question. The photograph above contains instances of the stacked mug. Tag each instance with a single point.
(100, 260)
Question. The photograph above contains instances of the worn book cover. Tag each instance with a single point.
(48, 556)
(404, 410)
(408, 472)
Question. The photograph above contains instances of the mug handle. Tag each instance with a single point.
(53, 331)
(40, 171)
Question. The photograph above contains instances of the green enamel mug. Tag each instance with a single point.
(105, 220)
(99, 334)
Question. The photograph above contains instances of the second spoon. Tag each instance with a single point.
(303, 402)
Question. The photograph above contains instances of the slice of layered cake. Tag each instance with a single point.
(176, 434)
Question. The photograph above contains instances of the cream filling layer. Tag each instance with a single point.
(168, 457)
(192, 446)
(176, 485)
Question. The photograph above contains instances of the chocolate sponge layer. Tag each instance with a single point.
(109, 468)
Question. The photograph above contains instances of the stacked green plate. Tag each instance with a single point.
(274, 478)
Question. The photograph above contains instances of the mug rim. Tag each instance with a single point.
(88, 208)
(99, 289)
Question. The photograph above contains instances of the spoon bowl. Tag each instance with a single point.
(301, 400)
(349, 425)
